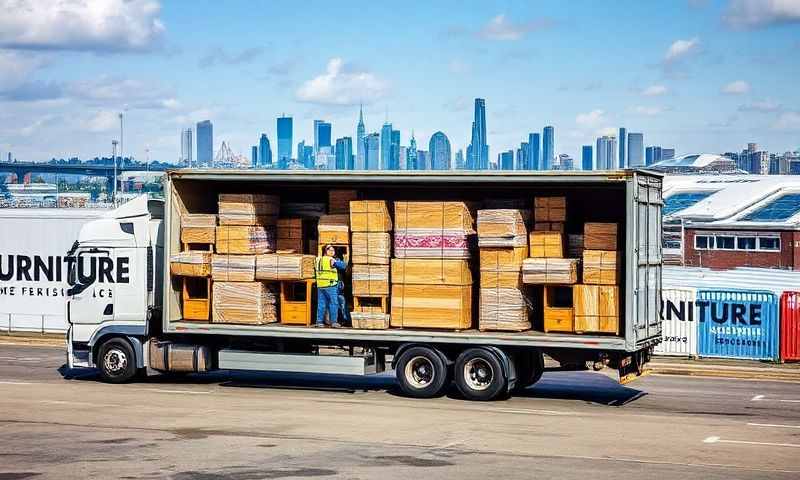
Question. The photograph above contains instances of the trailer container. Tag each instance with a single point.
(680, 320)
(790, 326)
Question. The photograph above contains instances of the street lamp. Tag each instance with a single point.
(114, 156)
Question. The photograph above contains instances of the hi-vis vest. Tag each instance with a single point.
(326, 274)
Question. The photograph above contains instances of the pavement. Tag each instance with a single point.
(571, 425)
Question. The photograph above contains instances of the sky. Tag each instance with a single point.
(697, 76)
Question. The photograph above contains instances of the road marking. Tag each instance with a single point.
(190, 392)
(526, 411)
(772, 425)
(745, 442)
(789, 401)
(762, 397)
(6, 382)
(757, 398)
(66, 402)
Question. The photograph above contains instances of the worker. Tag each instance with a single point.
(327, 274)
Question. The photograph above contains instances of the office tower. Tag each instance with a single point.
(411, 154)
(667, 153)
(622, 161)
(439, 148)
(205, 143)
(395, 151)
(565, 162)
(505, 160)
(322, 135)
(586, 158)
(606, 153)
(372, 158)
(386, 146)
(264, 152)
(422, 160)
(548, 148)
(752, 147)
(460, 165)
(254, 156)
(652, 155)
(478, 150)
(285, 140)
(186, 147)
(523, 160)
(360, 133)
(403, 157)
(534, 141)
(308, 156)
(635, 150)
(344, 153)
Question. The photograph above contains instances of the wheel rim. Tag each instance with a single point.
(478, 374)
(115, 361)
(419, 372)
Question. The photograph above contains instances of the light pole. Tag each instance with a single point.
(114, 156)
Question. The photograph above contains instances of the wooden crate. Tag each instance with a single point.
(196, 298)
(284, 266)
(248, 209)
(600, 236)
(198, 228)
(371, 303)
(191, 263)
(559, 314)
(432, 306)
(550, 209)
(559, 271)
(503, 309)
(295, 305)
(546, 244)
(370, 216)
(371, 247)
(596, 308)
(500, 279)
(433, 271)
(369, 280)
(233, 268)
(502, 259)
(601, 267)
(334, 229)
(244, 303)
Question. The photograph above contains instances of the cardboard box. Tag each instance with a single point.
(600, 236)
(432, 306)
(233, 268)
(284, 266)
(248, 209)
(191, 263)
(548, 227)
(198, 228)
(334, 229)
(550, 209)
(370, 280)
(546, 244)
(431, 271)
(559, 315)
(502, 259)
(501, 228)
(541, 271)
(504, 309)
(371, 247)
(370, 216)
(601, 267)
(433, 215)
(596, 308)
(339, 201)
(237, 239)
(248, 303)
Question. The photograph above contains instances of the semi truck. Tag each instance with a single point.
(124, 306)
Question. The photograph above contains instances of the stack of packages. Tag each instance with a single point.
(503, 243)
(431, 277)
(334, 229)
(371, 225)
(246, 229)
(596, 300)
(198, 228)
(193, 264)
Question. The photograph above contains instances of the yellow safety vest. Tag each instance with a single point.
(326, 274)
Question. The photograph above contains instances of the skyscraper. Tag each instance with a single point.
(322, 135)
(386, 146)
(285, 140)
(635, 150)
(478, 150)
(586, 158)
(534, 140)
(623, 157)
(360, 133)
(548, 148)
(411, 154)
(667, 153)
(460, 165)
(186, 147)
(344, 153)
(205, 143)
(606, 153)
(372, 144)
(422, 160)
(254, 156)
(264, 152)
(395, 152)
(439, 148)
(652, 155)
(523, 160)
(505, 160)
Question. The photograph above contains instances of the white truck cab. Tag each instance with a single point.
(115, 288)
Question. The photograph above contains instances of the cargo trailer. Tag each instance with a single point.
(145, 324)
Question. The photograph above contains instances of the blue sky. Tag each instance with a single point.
(694, 75)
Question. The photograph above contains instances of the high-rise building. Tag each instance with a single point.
(635, 150)
(439, 148)
(264, 152)
(285, 140)
(623, 153)
(403, 157)
(478, 150)
(523, 161)
(372, 159)
(460, 165)
(652, 155)
(395, 151)
(411, 154)
(667, 153)
(548, 148)
(205, 143)
(606, 153)
(422, 160)
(322, 135)
(565, 162)
(344, 153)
(505, 160)
(534, 141)
(186, 147)
(254, 156)
(308, 155)
(386, 146)
(586, 158)
(360, 133)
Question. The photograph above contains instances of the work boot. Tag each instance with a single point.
(336, 325)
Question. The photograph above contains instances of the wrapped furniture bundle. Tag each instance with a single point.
(249, 303)
(248, 209)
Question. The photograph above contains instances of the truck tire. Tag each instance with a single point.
(421, 372)
(479, 375)
(116, 361)
(530, 367)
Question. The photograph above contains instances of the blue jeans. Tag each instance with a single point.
(327, 300)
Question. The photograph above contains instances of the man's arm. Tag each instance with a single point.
(339, 264)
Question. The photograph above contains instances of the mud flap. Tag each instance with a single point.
(628, 368)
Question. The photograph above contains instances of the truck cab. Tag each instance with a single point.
(115, 294)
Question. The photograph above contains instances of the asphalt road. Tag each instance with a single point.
(241, 427)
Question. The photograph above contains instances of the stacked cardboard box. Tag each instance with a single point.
(596, 300)
(370, 253)
(502, 238)
(291, 235)
(248, 209)
(249, 303)
(284, 266)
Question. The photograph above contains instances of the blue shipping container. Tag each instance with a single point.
(738, 324)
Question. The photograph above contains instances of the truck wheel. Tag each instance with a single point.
(479, 375)
(116, 361)
(421, 372)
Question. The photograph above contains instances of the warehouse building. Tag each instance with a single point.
(725, 222)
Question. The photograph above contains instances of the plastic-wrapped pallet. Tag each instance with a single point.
(248, 209)
(334, 229)
(550, 271)
(284, 266)
(198, 228)
(501, 228)
(191, 263)
(504, 309)
(248, 303)
(371, 247)
(432, 230)
(233, 268)
(370, 280)
(246, 240)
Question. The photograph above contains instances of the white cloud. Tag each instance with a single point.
(647, 111)
(681, 49)
(342, 85)
(737, 87)
(501, 28)
(102, 121)
(654, 91)
(763, 106)
(591, 119)
(16, 68)
(747, 14)
(607, 132)
(80, 25)
(788, 121)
